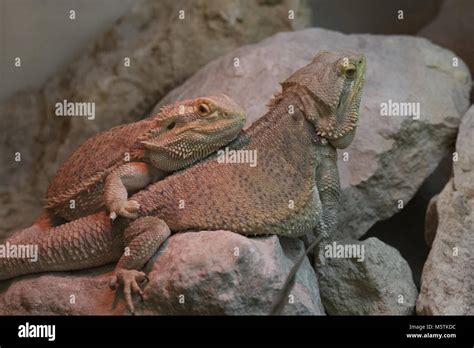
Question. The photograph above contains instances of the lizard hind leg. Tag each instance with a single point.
(142, 239)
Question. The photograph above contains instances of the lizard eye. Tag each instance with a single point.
(350, 71)
(171, 125)
(204, 109)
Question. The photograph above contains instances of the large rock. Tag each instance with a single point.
(452, 28)
(378, 283)
(447, 282)
(391, 156)
(431, 220)
(216, 272)
(163, 51)
(374, 16)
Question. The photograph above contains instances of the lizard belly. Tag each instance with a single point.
(287, 204)
(304, 220)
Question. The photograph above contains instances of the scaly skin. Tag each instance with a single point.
(295, 165)
(105, 168)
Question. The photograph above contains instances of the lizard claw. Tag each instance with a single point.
(113, 282)
(129, 210)
(129, 278)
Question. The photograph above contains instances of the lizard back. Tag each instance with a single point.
(85, 169)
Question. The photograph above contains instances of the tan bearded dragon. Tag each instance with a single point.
(297, 162)
(126, 158)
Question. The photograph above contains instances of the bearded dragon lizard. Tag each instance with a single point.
(316, 113)
(129, 157)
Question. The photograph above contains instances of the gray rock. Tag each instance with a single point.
(204, 267)
(464, 167)
(163, 51)
(431, 220)
(380, 284)
(391, 156)
(452, 28)
(447, 281)
(374, 16)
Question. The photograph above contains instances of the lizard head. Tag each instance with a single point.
(189, 130)
(333, 84)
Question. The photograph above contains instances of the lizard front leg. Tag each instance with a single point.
(127, 177)
(143, 238)
(327, 181)
(328, 189)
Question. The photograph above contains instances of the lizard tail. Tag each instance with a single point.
(280, 300)
(83, 243)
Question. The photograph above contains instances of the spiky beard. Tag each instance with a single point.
(340, 130)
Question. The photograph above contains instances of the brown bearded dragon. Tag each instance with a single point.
(316, 112)
(127, 158)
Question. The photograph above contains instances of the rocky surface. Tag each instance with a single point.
(452, 28)
(391, 156)
(448, 276)
(216, 272)
(379, 283)
(163, 50)
(431, 220)
(374, 16)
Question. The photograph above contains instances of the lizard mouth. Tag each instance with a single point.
(223, 128)
(210, 137)
(200, 142)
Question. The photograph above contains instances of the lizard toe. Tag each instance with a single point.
(132, 206)
(113, 282)
(130, 280)
(125, 213)
(130, 209)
